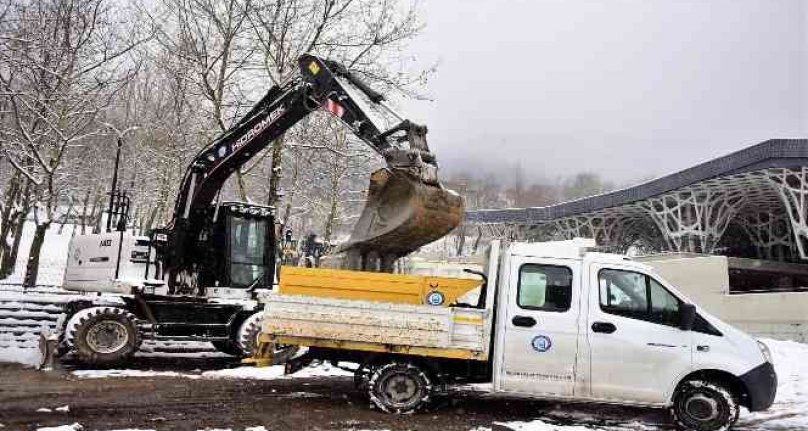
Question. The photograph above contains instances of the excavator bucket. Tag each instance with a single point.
(402, 213)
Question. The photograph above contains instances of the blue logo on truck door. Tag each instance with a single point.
(541, 343)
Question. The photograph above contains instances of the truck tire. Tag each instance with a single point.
(103, 335)
(399, 388)
(701, 405)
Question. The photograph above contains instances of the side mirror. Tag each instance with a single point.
(687, 316)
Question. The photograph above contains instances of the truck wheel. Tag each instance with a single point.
(102, 335)
(247, 336)
(701, 405)
(399, 388)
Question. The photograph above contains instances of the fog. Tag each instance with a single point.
(626, 89)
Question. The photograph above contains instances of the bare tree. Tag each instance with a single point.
(209, 38)
(63, 61)
(365, 35)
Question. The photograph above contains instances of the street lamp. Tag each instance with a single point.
(120, 134)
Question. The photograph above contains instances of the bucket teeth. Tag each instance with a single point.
(402, 213)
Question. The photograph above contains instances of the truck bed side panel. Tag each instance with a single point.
(374, 322)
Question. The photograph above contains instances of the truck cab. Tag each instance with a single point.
(592, 326)
(554, 320)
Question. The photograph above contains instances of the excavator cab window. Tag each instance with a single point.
(249, 247)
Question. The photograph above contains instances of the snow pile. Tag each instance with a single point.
(254, 373)
(539, 425)
(52, 258)
(25, 313)
(276, 372)
(21, 355)
(101, 374)
(72, 427)
(790, 409)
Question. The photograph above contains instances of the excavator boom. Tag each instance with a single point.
(407, 206)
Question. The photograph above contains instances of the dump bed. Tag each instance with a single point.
(376, 326)
(373, 286)
(376, 312)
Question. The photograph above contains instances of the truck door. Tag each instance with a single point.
(636, 349)
(540, 328)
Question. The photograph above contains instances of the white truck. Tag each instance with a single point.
(553, 320)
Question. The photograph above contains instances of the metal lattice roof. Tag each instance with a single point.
(774, 153)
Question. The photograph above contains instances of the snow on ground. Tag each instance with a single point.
(52, 259)
(249, 372)
(790, 409)
(539, 425)
(789, 412)
(20, 355)
(25, 313)
(71, 427)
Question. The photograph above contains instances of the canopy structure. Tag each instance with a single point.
(751, 203)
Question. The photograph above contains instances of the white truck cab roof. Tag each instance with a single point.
(577, 248)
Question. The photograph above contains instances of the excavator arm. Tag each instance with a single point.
(407, 207)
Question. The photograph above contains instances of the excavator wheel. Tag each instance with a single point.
(402, 213)
(248, 334)
(245, 340)
(103, 335)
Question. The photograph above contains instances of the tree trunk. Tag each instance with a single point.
(32, 269)
(66, 216)
(94, 218)
(275, 173)
(290, 199)
(151, 218)
(84, 212)
(332, 218)
(11, 198)
(17, 222)
(242, 186)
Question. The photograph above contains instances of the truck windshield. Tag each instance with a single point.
(247, 250)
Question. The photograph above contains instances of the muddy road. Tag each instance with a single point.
(316, 403)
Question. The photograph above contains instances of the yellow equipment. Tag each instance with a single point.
(373, 286)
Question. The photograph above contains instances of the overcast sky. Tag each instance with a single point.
(626, 89)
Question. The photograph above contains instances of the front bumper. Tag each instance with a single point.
(761, 385)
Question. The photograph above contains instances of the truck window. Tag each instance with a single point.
(544, 287)
(638, 296)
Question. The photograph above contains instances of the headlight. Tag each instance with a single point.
(764, 349)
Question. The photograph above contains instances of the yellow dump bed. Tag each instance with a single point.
(371, 311)
(373, 286)
(422, 330)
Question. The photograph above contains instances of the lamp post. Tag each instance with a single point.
(120, 134)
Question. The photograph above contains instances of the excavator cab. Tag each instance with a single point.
(231, 254)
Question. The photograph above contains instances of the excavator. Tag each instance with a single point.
(199, 277)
